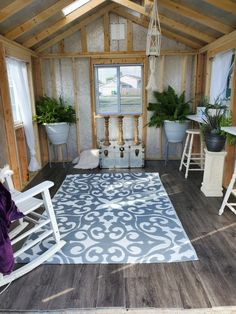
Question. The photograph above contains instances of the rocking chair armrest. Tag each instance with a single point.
(40, 188)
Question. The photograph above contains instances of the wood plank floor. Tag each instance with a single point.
(209, 282)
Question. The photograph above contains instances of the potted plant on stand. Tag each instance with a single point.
(56, 116)
(213, 135)
(170, 110)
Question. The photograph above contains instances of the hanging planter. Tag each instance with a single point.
(153, 45)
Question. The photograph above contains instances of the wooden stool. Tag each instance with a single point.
(230, 190)
(191, 157)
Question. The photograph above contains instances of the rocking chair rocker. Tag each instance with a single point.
(28, 204)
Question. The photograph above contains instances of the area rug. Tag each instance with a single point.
(116, 218)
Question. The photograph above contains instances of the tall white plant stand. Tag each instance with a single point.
(213, 173)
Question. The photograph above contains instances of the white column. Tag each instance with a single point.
(213, 173)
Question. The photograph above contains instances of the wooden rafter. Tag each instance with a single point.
(62, 23)
(13, 8)
(76, 27)
(226, 5)
(131, 5)
(10, 43)
(144, 22)
(169, 22)
(37, 19)
(222, 41)
(193, 32)
(196, 16)
(180, 38)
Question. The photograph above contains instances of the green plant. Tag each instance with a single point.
(213, 124)
(168, 106)
(203, 101)
(51, 110)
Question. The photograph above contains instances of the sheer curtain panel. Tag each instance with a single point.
(219, 74)
(17, 70)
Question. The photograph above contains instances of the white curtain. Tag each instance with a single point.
(17, 70)
(219, 74)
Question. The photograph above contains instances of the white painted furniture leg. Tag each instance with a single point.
(184, 152)
(189, 155)
(227, 195)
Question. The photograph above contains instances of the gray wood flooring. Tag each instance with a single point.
(209, 282)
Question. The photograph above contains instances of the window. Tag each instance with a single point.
(118, 89)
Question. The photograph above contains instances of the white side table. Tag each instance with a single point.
(213, 173)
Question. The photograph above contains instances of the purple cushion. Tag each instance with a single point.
(8, 213)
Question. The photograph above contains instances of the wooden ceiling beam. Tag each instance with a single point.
(169, 22)
(196, 16)
(181, 39)
(164, 20)
(144, 22)
(13, 8)
(37, 19)
(10, 43)
(223, 40)
(62, 23)
(226, 5)
(76, 27)
(131, 5)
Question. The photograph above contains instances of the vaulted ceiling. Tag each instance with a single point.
(37, 24)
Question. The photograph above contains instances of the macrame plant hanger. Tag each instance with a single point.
(153, 45)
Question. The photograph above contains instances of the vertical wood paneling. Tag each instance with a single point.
(39, 91)
(8, 119)
(93, 111)
(193, 85)
(84, 39)
(106, 29)
(53, 78)
(22, 152)
(76, 104)
(184, 73)
(129, 35)
(161, 78)
(145, 81)
(208, 75)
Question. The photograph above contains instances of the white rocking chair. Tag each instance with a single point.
(27, 204)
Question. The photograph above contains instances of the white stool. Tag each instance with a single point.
(230, 190)
(190, 157)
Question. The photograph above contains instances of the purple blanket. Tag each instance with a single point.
(8, 213)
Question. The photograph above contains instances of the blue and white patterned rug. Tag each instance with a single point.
(116, 218)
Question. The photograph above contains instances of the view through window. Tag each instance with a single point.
(118, 89)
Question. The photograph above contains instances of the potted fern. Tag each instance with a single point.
(170, 111)
(56, 116)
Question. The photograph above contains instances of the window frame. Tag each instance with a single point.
(96, 88)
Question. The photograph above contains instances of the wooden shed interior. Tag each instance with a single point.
(61, 53)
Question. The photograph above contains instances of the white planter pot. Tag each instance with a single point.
(175, 131)
(57, 132)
